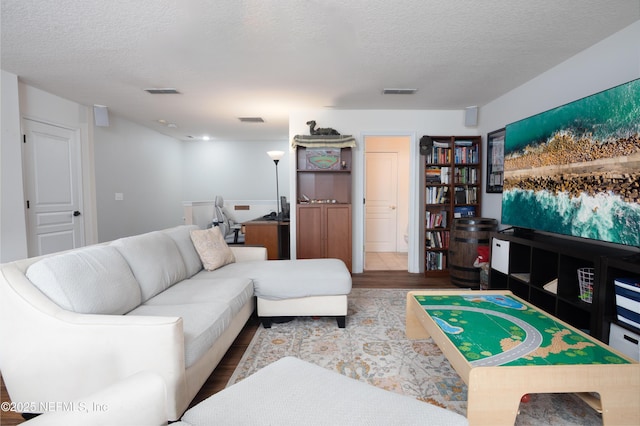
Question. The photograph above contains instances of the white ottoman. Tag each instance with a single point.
(295, 392)
(303, 287)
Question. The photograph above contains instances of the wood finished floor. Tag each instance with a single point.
(221, 375)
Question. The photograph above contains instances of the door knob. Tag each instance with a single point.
(392, 207)
(77, 213)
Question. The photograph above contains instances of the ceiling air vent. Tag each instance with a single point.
(399, 91)
(162, 91)
(251, 119)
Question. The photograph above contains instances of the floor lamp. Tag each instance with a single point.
(276, 156)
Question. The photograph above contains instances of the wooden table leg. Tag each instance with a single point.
(620, 398)
(414, 328)
(492, 399)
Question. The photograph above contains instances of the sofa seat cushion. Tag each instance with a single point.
(202, 323)
(287, 279)
(235, 292)
(155, 260)
(89, 280)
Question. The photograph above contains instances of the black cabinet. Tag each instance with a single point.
(543, 270)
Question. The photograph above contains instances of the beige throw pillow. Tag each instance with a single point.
(211, 247)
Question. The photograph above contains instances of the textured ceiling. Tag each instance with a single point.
(232, 58)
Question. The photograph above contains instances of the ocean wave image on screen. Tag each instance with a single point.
(603, 217)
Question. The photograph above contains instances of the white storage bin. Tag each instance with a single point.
(624, 341)
(628, 301)
(500, 255)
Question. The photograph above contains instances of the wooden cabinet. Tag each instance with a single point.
(323, 220)
(324, 231)
(271, 234)
(452, 175)
(543, 270)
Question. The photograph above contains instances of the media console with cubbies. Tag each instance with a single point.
(543, 269)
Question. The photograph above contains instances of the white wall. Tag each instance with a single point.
(144, 166)
(361, 123)
(13, 234)
(234, 170)
(613, 61)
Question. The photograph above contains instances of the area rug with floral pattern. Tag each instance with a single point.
(373, 348)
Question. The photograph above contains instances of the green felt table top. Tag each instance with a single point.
(492, 330)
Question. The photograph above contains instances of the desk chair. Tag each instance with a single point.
(229, 229)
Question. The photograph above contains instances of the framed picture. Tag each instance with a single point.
(495, 161)
(323, 158)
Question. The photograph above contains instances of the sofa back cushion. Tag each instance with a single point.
(155, 261)
(180, 235)
(90, 280)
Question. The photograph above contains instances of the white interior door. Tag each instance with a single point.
(53, 188)
(381, 201)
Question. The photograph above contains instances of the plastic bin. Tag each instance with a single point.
(628, 301)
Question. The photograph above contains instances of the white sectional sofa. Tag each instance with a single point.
(73, 323)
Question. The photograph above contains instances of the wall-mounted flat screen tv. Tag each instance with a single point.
(575, 169)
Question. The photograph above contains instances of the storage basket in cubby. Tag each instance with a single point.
(585, 281)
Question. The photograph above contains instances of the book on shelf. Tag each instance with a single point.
(441, 144)
(466, 175)
(465, 195)
(464, 211)
(437, 240)
(445, 172)
(433, 174)
(436, 220)
(466, 154)
(436, 261)
(436, 194)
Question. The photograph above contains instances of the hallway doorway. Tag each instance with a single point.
(386, 212)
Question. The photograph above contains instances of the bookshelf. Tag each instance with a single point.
(452, 175)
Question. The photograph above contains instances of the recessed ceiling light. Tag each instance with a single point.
(162, 91)
(399, 91)
(205, 138)
(251, 119)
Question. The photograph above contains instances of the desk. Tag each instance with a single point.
(272, 234)
(503, 348)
